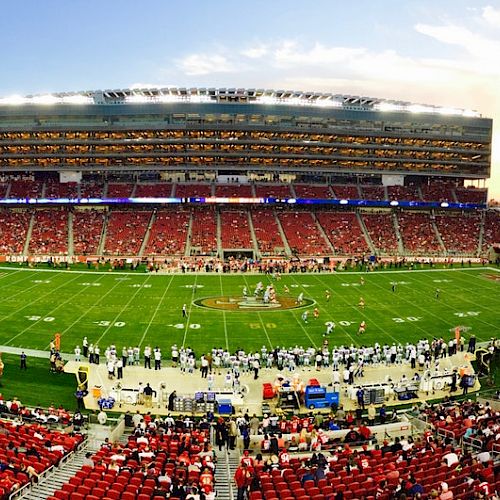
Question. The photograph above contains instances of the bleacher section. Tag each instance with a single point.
(119, 190)
(13, 230)
(438, 191)
(417, 233)
(153, 463)
(373, 192)
(41, 448)
(157, 190)
(302, 233)
(193, 190)
(459, 233)
(204, 231)
(61, 190)
(273, 191)
(365, 475)
(403, 193)
(491, 234)
(87, 230)
(91, 190)
(25, 188)
(471, 195)
(125, 232)
(312, 191)
(235, 230)
(168, 234)
(382, 232)
(267, 231)
(50, 232)
(345, 192)
(344, 232)
(233, 190)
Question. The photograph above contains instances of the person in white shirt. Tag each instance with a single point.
(78, 353)
(142, 439)
(451, 459)
(157, 356)
(118, 457)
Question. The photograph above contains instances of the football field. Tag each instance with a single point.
(128, 309)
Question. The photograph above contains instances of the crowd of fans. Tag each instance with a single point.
(417, 467)
(162, 458)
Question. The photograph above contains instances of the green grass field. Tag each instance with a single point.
(139, 309)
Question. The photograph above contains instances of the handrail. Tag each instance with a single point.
(447, 433)
(44, 475)
(473, 442)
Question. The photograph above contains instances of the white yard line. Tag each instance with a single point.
(156, 311)
(224, 315)
(95, 304)
(189, 312)
(453, 308)
(50, 313)
(34, 302)
(298, 321)
(24, 290)
(124, 308)
(260, 317)
(326, 311)
(361, 311)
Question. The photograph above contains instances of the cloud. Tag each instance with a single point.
(289, 54)
(475, 44)
(491, 16)
(468, 78)
(255, 52)
(205, 64)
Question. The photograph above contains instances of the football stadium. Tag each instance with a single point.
(246, 293)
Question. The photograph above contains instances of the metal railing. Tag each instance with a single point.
(47, 473)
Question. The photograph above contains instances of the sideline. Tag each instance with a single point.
(249, 273)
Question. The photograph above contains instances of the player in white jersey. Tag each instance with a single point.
(330, 327)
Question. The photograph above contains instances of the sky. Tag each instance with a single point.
(443, 52)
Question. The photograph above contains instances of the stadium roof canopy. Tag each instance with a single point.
(232, 95)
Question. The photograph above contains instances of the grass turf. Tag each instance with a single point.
(37, 386)
(139, 309)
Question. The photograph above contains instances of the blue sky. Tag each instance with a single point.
(437, 52)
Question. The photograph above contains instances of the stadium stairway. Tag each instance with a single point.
(288, 251)
(322, 232)
(60, 475)
(187, 251)
(220, 253)
(481, 234)
(365, 232)
(148, 232)
(28, 234)
(255, 244)
(7, 192)
(438, 236)
(71, 248)
(227, 463)
(102, 241)
(398, 232)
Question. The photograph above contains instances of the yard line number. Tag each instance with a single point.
(117, 324)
